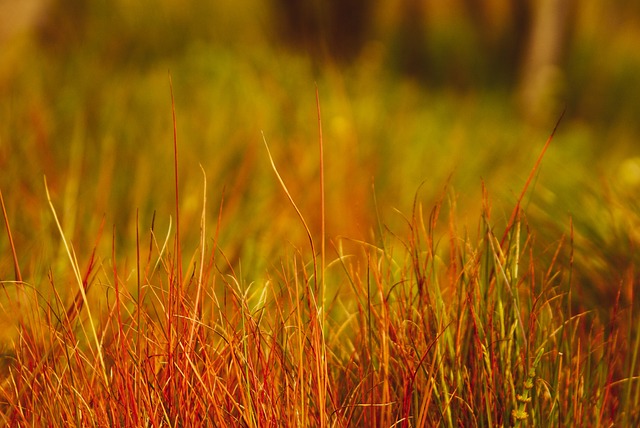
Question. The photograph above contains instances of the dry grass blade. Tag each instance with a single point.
(16, 265)
(200, 282)
(516, 209)
(81, 286)
(322, 195)
(177, 189)
(300, 216)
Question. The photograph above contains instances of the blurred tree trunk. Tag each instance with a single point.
(64, 24)
(298, 22)
(529, 51)
(337, 29)
(19, 16)
(410, 46)
(503, 43)
(541, 84)
(522, 42)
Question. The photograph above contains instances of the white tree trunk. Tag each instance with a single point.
(542, 77)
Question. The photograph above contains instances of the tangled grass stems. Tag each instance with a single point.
(414, 330)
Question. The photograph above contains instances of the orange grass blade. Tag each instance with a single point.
(323, 376)
(322, 208)
(304, 222)
(535, 168)
(175, 167)
(195, 314)
(16, 265)
(76, 270)
(174, 300)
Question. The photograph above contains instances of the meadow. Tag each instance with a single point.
(227, 234)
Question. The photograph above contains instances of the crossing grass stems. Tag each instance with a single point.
(414, 330)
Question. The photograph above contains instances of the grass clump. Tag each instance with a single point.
(416, 327)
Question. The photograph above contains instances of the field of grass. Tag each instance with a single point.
(198, 254)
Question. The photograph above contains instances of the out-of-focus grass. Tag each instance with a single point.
(88, 106)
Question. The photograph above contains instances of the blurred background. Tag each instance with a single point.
(420, 100)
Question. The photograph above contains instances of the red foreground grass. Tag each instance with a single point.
(412, 332)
